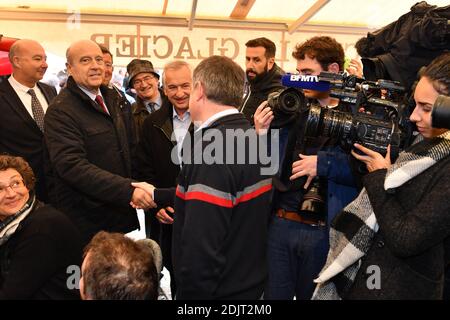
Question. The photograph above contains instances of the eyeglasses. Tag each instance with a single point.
(145, 79)
(14, 185)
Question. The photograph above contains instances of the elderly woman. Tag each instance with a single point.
(392, 242)
(37, 242)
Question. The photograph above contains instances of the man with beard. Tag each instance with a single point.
(263, 74)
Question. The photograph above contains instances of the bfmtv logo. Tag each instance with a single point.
(304, 78)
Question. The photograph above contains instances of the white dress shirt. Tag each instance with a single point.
(25, 97)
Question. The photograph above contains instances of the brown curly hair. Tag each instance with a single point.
(325, 49)
(21, 166)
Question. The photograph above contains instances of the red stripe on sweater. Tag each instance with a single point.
(203, 196)
(254, 194)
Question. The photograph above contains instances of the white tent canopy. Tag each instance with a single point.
(161, 30)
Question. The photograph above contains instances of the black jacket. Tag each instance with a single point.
(34, 261)
(412, 245)
(258, 92)
(20, 135)
(154, 163)
(140, 112)
(91, 157)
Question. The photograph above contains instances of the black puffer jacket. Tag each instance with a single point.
(140, 112)
(258, 92)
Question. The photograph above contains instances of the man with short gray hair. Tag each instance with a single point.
(221, 208)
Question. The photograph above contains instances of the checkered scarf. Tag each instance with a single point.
(353, 230)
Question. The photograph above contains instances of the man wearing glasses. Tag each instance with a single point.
(144, 79)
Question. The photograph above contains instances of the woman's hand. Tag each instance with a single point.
(372, 159)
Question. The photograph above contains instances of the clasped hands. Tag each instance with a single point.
(142, 197)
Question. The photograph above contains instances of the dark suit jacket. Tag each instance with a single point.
(20, 135)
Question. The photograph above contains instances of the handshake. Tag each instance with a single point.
(143, 195)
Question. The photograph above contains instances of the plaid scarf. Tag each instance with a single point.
(10, 225)
(353, 230)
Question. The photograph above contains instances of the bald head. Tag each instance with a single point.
(81, 44)
(20, 46)
(29, 61)
(85, 64)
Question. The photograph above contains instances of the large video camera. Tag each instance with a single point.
(373, 114)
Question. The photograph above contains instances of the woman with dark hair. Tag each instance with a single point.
(393, 241)
(37, 242)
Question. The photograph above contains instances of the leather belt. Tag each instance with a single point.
(295, 216)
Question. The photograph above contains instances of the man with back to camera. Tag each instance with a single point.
(263, 74)
(23, 103)
(221, 207)
(298, 241)
(89, 138)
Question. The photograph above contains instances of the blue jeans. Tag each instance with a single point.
(296, 253)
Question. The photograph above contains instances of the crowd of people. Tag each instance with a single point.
(75, 164)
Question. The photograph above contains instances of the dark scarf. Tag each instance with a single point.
(10, 225)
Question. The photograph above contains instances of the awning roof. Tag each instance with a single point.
(292, 13)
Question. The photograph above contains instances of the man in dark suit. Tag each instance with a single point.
(89, 135)
(23, 103)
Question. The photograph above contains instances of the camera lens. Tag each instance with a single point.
(287, 101)
(440, 116)
(336, 124)
(328, 123)
(290, 102)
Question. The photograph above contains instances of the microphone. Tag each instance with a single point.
(308, 82)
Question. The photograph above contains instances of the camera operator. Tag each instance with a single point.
(298, 236)
(263, 74)
(405, 210)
